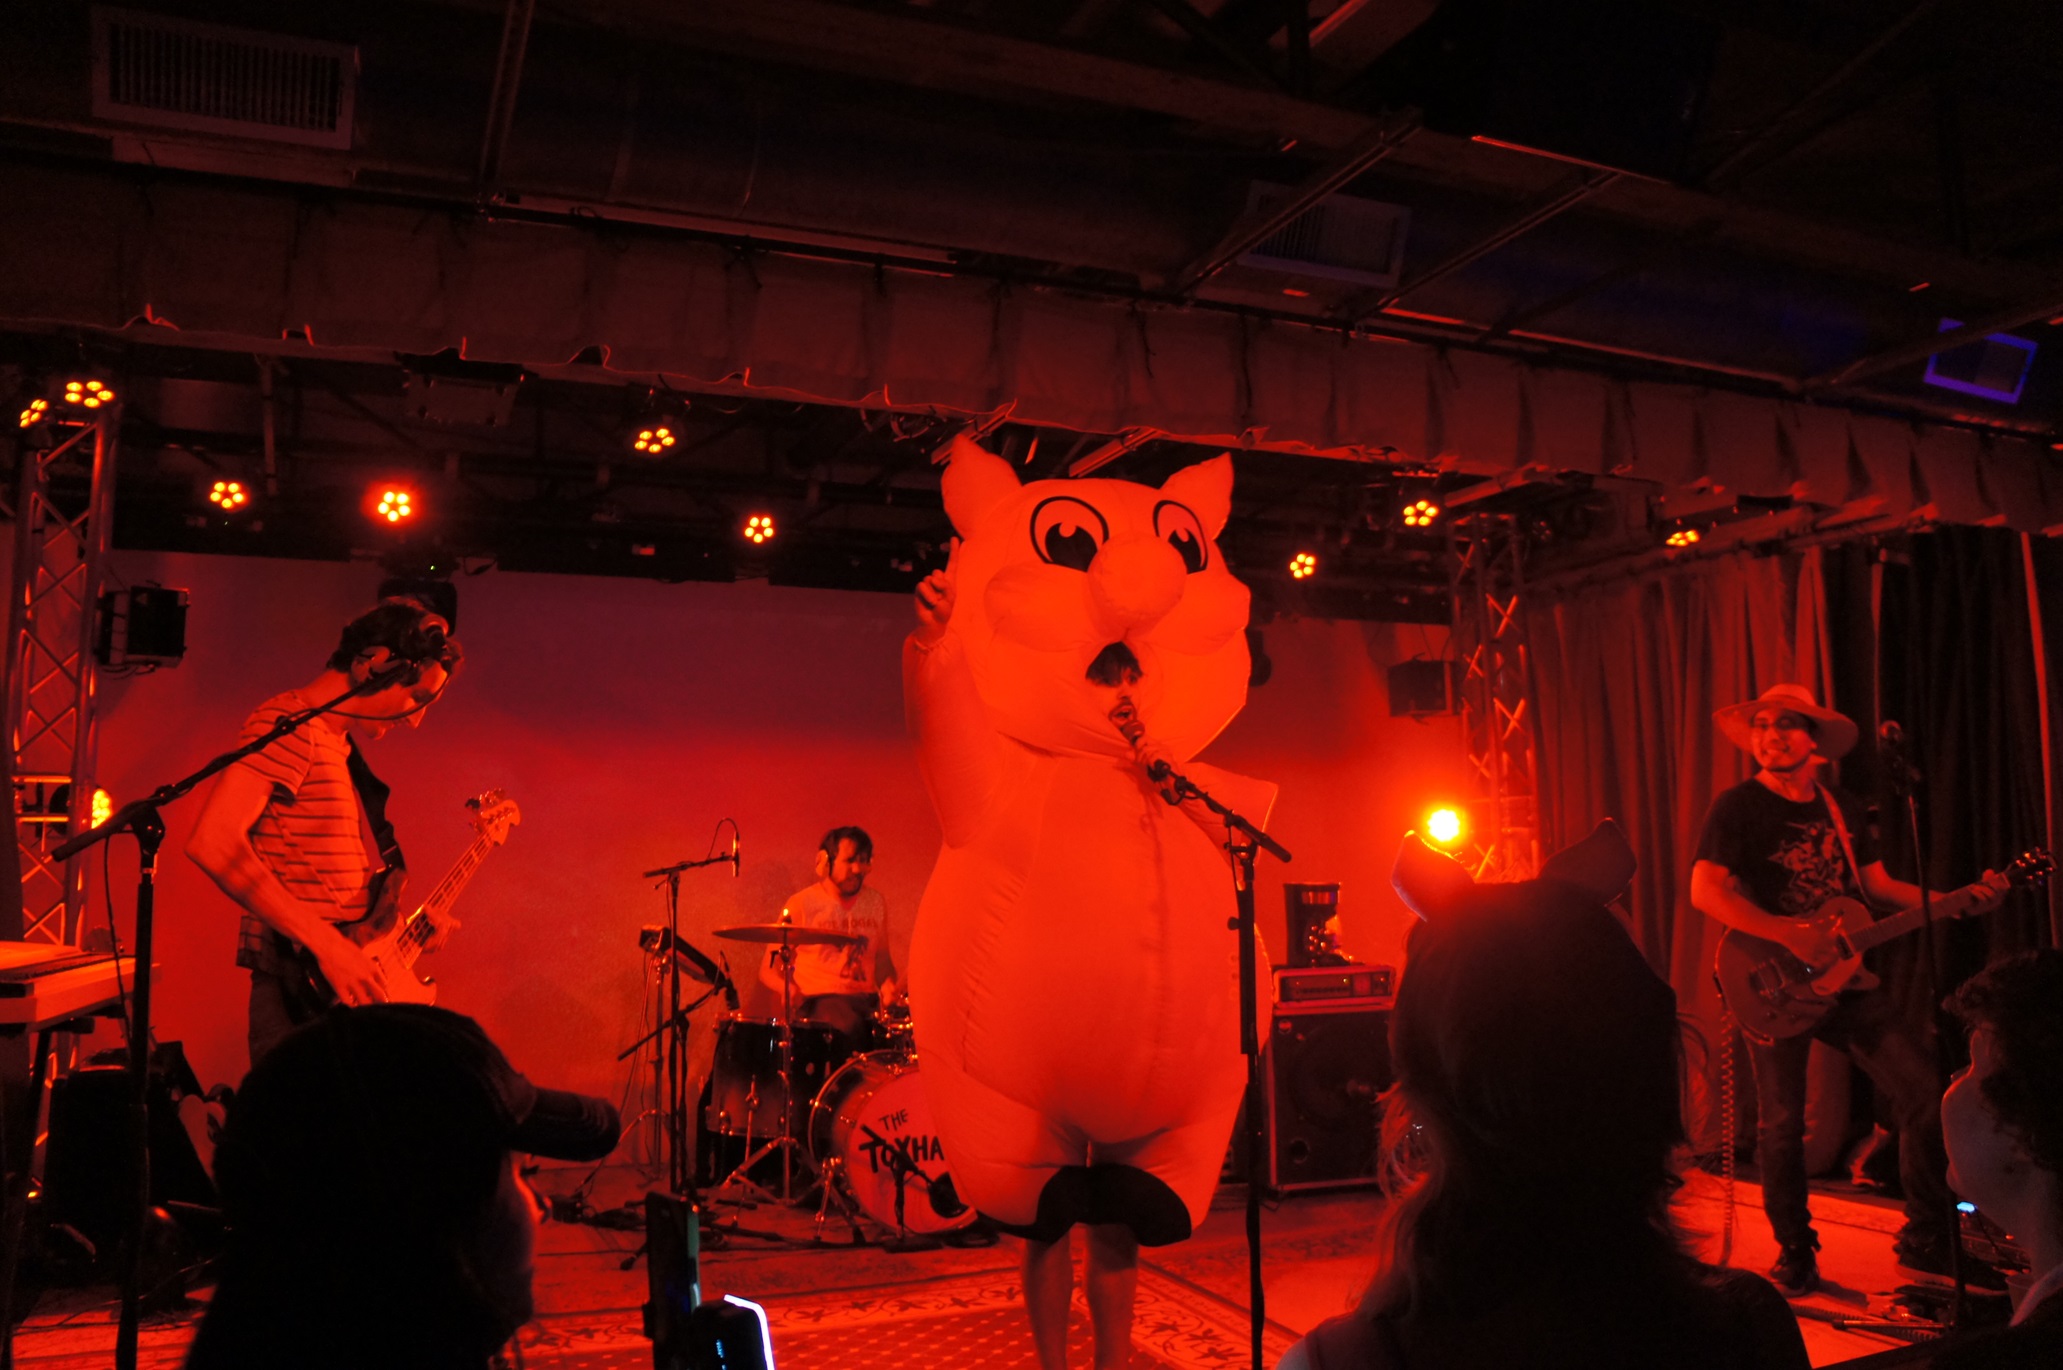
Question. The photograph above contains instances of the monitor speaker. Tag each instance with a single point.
(1327, 1066)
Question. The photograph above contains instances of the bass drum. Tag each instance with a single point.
(872, 1120)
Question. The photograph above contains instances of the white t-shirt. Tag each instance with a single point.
(834, 970)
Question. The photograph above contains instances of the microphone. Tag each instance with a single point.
(1891, 748)
(734, 851)
(1125, 717)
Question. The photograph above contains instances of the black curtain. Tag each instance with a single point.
(1934, 631)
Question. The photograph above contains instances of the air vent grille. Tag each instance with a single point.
(173, 73)
(1341, 237)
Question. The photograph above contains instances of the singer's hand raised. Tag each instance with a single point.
(936, 594)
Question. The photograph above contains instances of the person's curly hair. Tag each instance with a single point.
(2020, 1002)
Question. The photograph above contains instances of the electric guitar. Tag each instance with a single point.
(1776, 995)
(392, 942)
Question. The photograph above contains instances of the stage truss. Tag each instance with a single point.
(1496, 701)
(62, 501)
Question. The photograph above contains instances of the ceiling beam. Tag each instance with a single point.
(1379, 142)
(1893, 358)
(1559, 200)
(928, 53)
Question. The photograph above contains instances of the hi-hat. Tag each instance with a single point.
(787, 933)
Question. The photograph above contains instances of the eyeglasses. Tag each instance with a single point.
(1782, 722)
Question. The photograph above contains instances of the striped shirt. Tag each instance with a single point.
(309, 833)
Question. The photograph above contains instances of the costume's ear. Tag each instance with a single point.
(1428, 881)
(975, 482)
(1206, 488)
(1601, 865)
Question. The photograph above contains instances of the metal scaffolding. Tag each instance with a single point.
(62, 501)
(1496, 696)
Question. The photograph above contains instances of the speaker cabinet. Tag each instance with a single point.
(1326, 1065)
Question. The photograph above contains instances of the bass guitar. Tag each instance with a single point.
(393, 942)
(1775, 995)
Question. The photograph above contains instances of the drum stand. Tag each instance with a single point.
(786, 1143)
(902, 1167)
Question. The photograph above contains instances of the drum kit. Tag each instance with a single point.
(845, 1106)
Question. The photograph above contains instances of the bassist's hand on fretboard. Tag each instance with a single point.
(1991, 891)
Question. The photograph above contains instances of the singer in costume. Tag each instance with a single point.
(839, 985)
(1774, 850)
(1075, 978)
(282, 830)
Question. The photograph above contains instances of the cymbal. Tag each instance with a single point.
(787, 933)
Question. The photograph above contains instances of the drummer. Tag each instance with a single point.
(839, 984)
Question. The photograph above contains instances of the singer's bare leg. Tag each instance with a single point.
(1113, 1287)
(1048, 1294)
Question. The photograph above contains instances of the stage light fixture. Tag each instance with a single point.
(229, 496)
(103, 808)
(1421, 513)
(1684, 537)
(1444, 826)
(87, 394)
(395, 505)
(1303, 566)
(759, 529)
(654, 440)
(37, 411)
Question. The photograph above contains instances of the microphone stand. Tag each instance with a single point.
(680, 1169)
(1906, 780)
(143, 818)
(1242, 841)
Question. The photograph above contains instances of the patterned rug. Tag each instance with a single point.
(974, 1321)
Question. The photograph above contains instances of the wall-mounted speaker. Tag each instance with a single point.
(1327, 1066)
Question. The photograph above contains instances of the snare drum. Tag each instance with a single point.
(745, 1093)
(872, 1106)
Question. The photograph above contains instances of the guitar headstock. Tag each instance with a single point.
(494, 813)
(2034, 866)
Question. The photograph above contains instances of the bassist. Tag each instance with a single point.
(1774, 849)
(282, 830)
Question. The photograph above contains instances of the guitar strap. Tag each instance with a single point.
(1847, 846)
(373, 793)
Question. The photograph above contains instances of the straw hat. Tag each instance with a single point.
(1834, 732)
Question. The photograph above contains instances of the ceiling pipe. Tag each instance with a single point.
(1382, 138)
(1129, 441)
(508, 77)
(1557, 201)
(1732, 161)
(1927, 347)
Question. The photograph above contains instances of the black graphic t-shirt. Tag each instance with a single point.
(1786, 855)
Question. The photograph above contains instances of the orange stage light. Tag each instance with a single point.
(1303, 566)
(1420, 514)
(229, 495)
(103, 808)
(395, 506)
(1444, 826)
(88, 394)
(35, 413)
(653, 441)
(1683, 537)
(759, 528)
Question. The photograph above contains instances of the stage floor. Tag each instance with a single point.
(838, 1307)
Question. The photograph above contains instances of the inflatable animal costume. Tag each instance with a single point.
(1075, 983)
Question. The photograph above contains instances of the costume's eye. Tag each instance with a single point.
(1179, 524)
(1068, 532)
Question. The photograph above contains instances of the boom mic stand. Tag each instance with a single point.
(676, 1106)
(143, 818)
(1242, 841)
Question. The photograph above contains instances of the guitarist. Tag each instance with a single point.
(1774, 850)
(282, 830)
